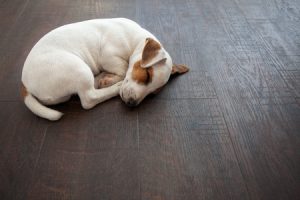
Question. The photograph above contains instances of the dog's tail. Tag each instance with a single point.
(37, 108)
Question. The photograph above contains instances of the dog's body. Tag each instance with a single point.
(70, 59)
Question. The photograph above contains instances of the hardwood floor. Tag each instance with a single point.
(228, 129)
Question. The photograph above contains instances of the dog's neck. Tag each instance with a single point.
(138, 51)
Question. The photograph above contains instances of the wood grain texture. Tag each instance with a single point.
(176, 155)
(21, 140)
(255, 100)
(228, 129)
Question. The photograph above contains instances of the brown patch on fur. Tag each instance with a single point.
(150, 50)
(179, 69)
(150, 73)
(24, 92)
(142, 75)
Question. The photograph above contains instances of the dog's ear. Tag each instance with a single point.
(179, 69)
(153, 53)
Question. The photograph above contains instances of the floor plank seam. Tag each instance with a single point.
(138, 156)
(17, 18)
(231, 141)
(267, 49)
(37, 160)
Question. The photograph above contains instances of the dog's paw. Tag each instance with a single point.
(106, 80)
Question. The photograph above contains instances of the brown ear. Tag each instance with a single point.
(179, 69)
(152, 53)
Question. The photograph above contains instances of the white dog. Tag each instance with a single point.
(91, 59)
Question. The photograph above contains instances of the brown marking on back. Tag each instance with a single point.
(24, 92)
(150, 50)
(142, 75)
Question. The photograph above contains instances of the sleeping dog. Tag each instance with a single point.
(96, 59)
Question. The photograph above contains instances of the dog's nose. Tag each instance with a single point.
(131, 102)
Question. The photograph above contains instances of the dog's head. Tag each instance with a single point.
(148, 71)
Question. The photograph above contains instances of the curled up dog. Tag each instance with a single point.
(97, 60)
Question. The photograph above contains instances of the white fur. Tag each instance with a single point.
(40, 110)
(66, 60)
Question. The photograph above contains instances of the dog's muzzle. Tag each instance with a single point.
(128, 96)
(131, 102)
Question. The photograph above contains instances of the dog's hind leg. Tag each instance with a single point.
(84, 87)
(106, 79)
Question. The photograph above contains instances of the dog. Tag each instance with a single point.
(96, 59)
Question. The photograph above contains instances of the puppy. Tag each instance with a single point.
(91, 59)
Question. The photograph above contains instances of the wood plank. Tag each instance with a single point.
(256, 102)
(229, 129)
(89, 155)
(21, 138)
(84, 174)
(10, 13)
(186, 153)
(201, 116)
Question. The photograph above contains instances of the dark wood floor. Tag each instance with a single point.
(229, 129)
